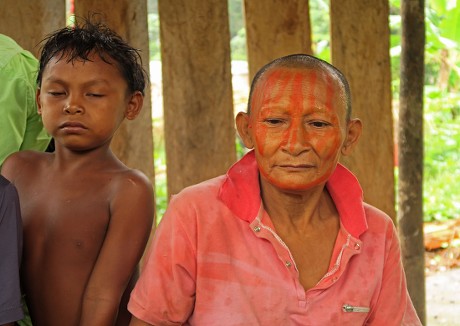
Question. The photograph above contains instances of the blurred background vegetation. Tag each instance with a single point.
(441, 100)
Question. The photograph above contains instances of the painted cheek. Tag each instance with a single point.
(261, 138)
(273, 88)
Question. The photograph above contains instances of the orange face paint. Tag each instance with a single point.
(298, 126)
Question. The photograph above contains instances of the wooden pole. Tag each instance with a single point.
(410, 155)
(275, 28)
(197, 90)
(28, 22)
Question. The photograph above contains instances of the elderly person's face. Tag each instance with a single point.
(297, 127)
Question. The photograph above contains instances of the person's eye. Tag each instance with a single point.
(319, 124)
(273, 121)
(95, 95)
(56, 93)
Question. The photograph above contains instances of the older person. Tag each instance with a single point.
(284, 238)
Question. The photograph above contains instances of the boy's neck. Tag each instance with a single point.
(99, 158)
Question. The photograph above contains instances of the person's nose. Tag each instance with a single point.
(73, 106)
(296, 138)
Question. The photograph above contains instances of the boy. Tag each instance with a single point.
(86, 216)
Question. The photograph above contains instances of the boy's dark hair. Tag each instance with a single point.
(304, 61)
(92, 36)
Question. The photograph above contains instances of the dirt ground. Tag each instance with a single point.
(443, 297)
(442, 268)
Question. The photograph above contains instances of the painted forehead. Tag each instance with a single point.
(317, 81)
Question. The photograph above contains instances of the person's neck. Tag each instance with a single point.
(297, 211)
(66, 159)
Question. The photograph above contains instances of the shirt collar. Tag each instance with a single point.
(240, 192)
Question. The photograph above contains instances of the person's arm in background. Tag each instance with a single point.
(10, 254)
(20, 125)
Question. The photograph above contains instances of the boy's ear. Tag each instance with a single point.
(243, 127)
(354, 130)
(37, 99)
(134, 105)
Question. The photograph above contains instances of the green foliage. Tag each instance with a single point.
(238, 45)
(236, 19)
(441, 195)
(159, 159)
(154, 35)
(319, 17)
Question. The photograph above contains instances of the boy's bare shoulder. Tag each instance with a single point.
(27, 156)
(22, 162)
(131, 182)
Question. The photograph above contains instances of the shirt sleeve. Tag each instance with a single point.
(394, 299)
(20, 124)
(165, 291)
(10, 254)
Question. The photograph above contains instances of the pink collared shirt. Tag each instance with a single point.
(216, 260)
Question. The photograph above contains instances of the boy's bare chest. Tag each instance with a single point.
(73, 208)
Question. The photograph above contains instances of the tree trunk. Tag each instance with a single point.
(197, 90)
(360, 49)
(28, 22)
(410, 132)
(275, 28)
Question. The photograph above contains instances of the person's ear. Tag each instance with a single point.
(242, 125)
(354, 130)
(37, 99)
(134, 105)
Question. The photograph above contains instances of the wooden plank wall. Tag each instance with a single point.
(198, 110)
(197, 90)
(275, 28)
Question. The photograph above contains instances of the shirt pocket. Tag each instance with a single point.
(353, 314)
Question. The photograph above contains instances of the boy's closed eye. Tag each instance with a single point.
(95, 94)
(56, 93)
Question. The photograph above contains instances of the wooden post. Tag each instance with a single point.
(28, 22)
(275, 28)
(410, 132)
(197, 91)
(133, 142)
(360, 49)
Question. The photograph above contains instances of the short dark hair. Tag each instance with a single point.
(303, 61)
(92, 36)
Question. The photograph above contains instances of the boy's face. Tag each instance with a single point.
(82, 103)
(297, 127)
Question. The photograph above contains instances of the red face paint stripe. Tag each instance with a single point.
(296, 103)
(330, 93)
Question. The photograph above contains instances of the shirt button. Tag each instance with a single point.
(288, 263)
(357, 246)
(256, 229)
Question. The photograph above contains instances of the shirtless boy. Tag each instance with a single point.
(86, 216)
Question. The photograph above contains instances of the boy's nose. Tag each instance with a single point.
(72, 109)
